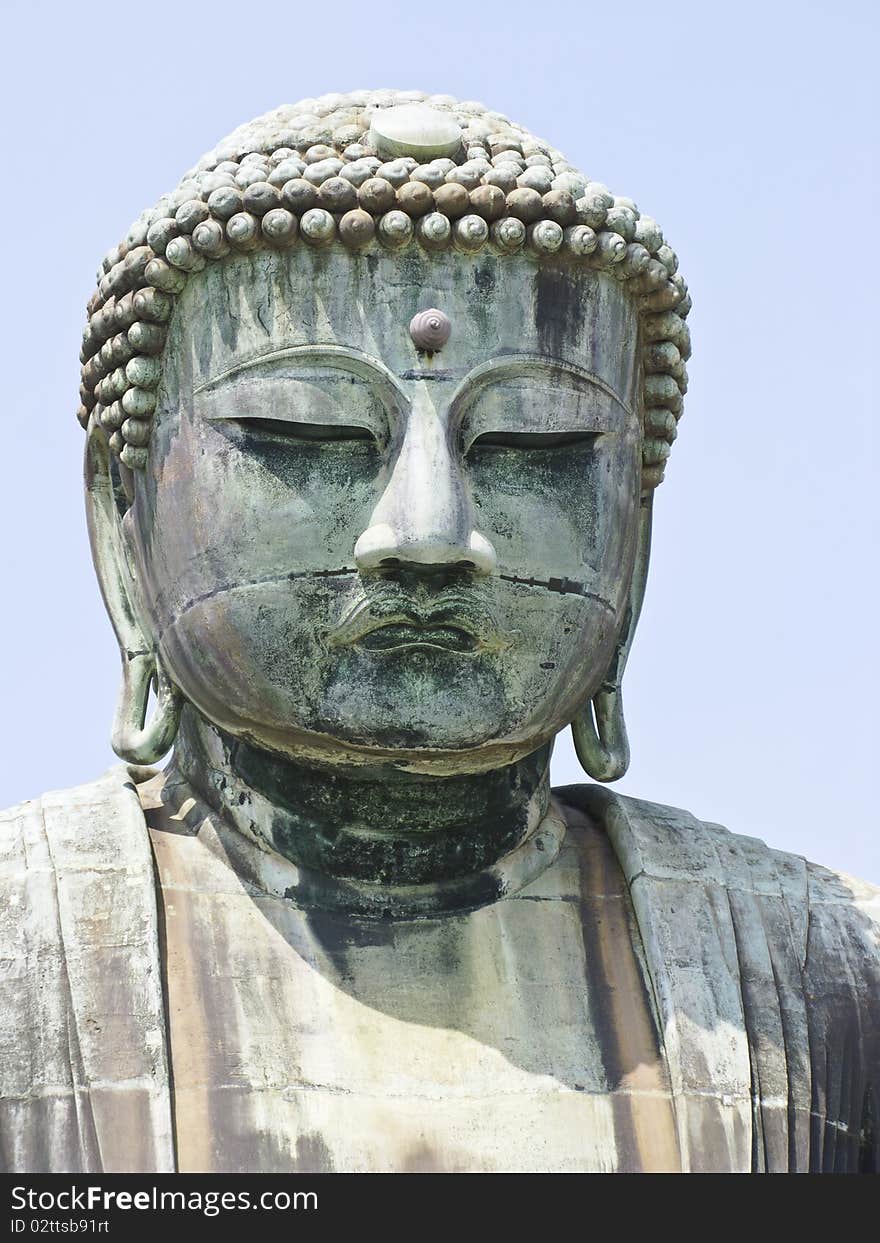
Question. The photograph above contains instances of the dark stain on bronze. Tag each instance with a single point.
(423, 838)
(312, 1155)
(432, 374)
(559, 310)
(869, 1149)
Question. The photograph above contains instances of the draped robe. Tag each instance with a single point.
(757, 972)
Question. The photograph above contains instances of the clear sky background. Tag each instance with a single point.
(747, 130)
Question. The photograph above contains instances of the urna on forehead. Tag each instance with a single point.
(393, 172)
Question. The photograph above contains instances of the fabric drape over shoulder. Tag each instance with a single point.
(766, 975)
(83, 1062)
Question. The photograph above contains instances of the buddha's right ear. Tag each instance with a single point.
(109, 491)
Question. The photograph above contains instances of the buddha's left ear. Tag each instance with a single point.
(133, 738)
(599, 730)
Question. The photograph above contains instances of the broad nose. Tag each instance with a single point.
(424, 517)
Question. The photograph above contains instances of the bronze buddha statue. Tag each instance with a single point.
(376, 403)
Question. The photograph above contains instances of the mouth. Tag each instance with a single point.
(379, 630)
(408, 634)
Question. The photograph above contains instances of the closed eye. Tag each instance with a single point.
(306, 431)
(533, 440)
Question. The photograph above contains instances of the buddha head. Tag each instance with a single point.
(376, 402)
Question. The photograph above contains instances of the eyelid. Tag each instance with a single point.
(308, 393)
(542, 387)
(536, 397)
(523, 366)
(331, 433)
(534, 440)
(309, 364)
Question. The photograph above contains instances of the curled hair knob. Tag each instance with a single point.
(430, 330)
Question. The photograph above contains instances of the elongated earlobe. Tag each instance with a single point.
(600, 740)
(599, 729)
(134, 738)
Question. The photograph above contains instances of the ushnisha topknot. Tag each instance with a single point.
(375, 168)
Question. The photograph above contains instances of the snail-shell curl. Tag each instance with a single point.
(430, 330)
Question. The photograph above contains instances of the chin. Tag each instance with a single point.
(424, 700)
(439, 748)
(438, 725)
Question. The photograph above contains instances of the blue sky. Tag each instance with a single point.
(749, 133)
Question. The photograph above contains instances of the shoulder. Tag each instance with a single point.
(65, 859)
(671, 839)
(80, 990)
(76, 876)
(68, 848)
(80, 822)
(765, 970)
(832, 920)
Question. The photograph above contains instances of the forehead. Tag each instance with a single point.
(251, 305)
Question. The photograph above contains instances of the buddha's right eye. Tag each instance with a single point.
(305, 403)
(287, 430)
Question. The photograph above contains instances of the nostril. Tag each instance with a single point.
(465, 565)
(391, 562)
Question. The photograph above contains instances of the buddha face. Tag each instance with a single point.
(351, 551)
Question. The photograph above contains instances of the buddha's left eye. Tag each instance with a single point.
(335, 432)
(532, 440)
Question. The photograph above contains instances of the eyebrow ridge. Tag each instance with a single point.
(339, 354)
(372, 369)
(511, 362)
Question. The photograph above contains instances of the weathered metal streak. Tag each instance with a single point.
(631, 1049)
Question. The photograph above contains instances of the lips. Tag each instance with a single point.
(409, 634)
(376, 625)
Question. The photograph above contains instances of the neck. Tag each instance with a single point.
(376, 825)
